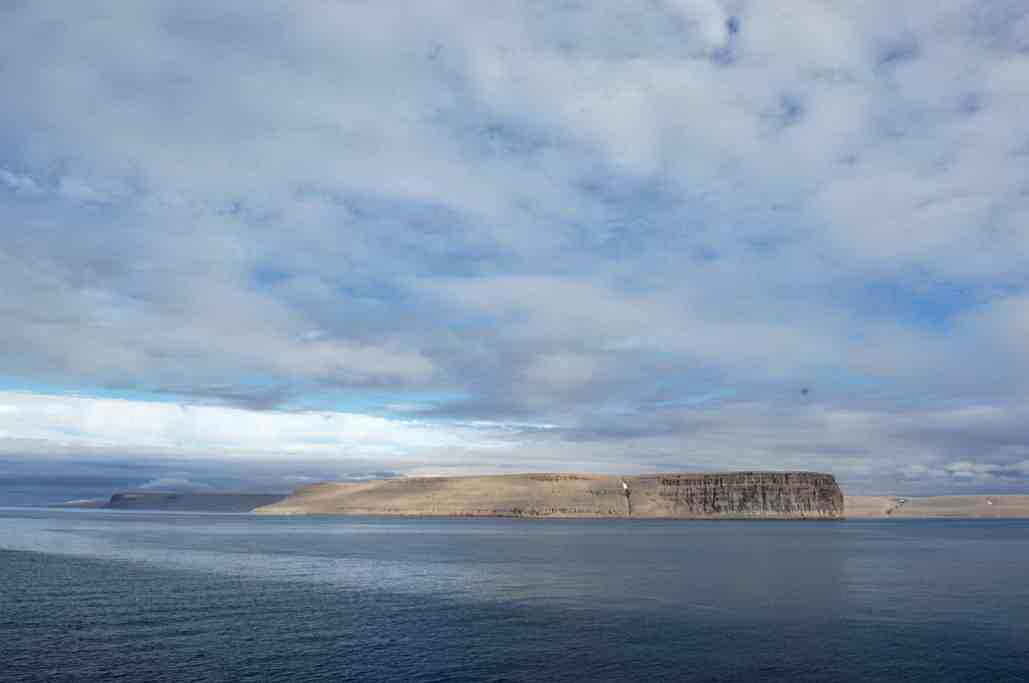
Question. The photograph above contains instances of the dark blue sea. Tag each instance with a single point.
(115, 596)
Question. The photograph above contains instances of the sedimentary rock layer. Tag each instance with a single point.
(794, 495)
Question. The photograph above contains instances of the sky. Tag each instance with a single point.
(250, 245)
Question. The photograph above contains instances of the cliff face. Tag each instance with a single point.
(776, 494)
(788, 495)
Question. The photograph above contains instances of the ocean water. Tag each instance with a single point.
(103, 595)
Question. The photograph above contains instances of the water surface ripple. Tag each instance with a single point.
(206, 597)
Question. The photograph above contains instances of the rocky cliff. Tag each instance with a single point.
(791, 495)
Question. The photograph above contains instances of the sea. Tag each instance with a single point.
(137, 596)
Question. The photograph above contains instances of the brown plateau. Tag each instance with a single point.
(732, 495)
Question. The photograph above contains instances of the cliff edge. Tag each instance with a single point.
(773, 495)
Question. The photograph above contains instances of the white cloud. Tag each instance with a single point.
(19, 182)
(126, 426)
(173, 484)
(77, 189)
(971, 469)
(564, 213)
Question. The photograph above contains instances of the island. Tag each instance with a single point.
(729, 495)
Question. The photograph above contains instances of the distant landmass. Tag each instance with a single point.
(937, 506)
(740, 495)
(732, 495)
(180, 501)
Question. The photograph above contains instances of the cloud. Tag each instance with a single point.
(971, 469)
(125, 426)
(989, 472)
(19, 183)
(174, 484)
(609, 218)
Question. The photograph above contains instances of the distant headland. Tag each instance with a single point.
(176, 501)
(925, 507)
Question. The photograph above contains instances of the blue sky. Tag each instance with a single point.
(346, 237)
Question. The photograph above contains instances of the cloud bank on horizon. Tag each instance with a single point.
(464, 236)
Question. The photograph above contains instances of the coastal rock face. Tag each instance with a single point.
(775, 494)
(786, 495)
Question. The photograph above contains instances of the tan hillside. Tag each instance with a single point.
(937, 506)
